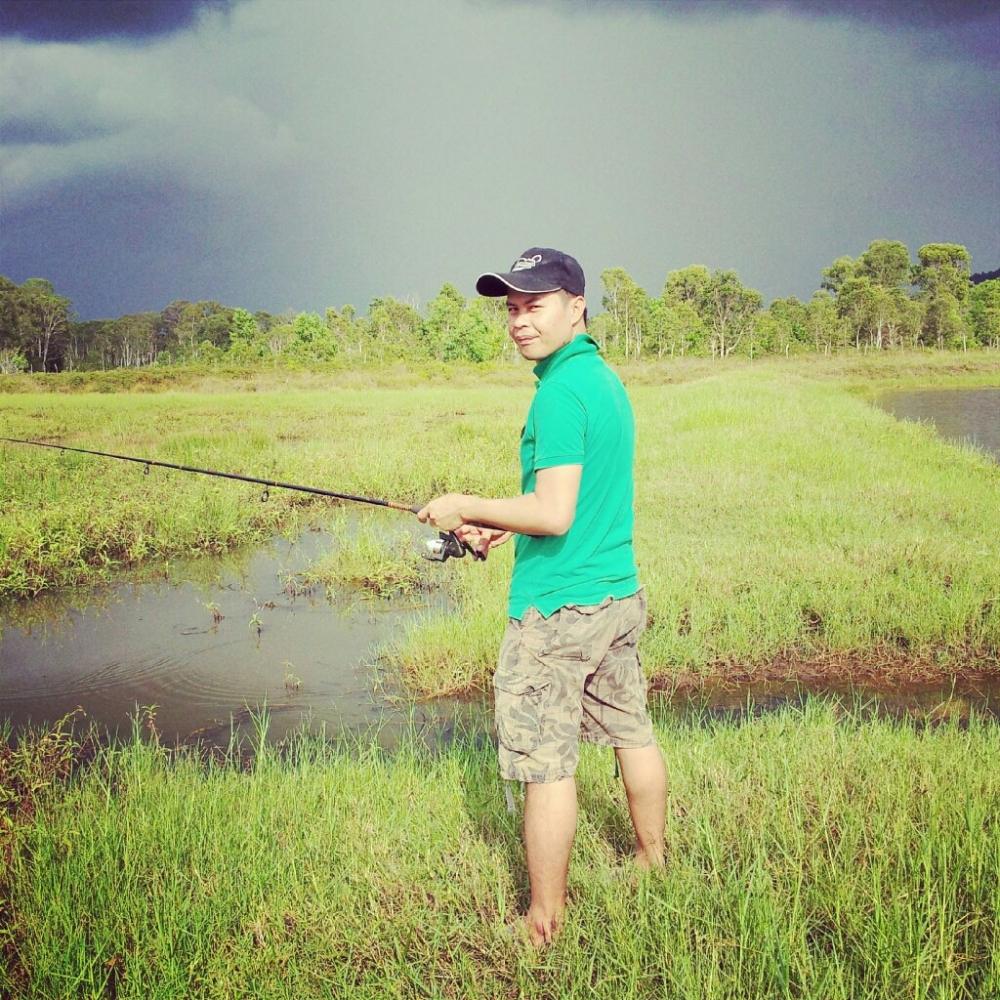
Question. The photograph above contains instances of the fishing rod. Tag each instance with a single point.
(446, 546)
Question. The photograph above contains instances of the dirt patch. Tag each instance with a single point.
(882, 670)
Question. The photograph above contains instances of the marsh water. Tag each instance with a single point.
(186, 641)
(210, 641)
(967, 416)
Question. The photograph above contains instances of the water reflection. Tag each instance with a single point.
(970, 416)
(207, 641)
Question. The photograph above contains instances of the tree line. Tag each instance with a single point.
(879, 301)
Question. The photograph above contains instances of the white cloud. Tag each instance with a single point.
(155, 111)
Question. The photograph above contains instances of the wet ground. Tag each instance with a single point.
(210, 641)
(931, 699)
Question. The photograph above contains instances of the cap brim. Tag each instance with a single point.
(492, 284)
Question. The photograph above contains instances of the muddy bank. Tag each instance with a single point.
(881, 670)
(888, 682)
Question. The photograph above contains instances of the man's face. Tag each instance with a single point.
(540, 324)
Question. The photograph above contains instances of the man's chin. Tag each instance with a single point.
(535, 351)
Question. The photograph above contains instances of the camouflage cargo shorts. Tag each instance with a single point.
(574, 675)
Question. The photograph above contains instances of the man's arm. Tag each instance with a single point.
(548, 510)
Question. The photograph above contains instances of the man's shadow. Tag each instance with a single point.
(486, 805)
(600, 797)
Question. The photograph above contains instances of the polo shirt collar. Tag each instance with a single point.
(582, 343)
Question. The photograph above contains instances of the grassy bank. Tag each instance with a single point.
(777, 516)
(813, 854)
(879, 369)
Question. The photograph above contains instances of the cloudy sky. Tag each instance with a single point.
(282, 154)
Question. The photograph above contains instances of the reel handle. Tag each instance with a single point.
(447, 545)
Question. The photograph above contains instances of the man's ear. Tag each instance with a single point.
(577, 308)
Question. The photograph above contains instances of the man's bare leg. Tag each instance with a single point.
(549, 828)
(645, 778)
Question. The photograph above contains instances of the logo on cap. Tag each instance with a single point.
(526, 263)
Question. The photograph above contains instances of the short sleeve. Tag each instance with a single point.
(560, 420)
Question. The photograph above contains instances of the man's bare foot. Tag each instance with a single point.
(646, 862)
(542, 929)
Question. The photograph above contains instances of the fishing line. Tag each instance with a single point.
(446, 546)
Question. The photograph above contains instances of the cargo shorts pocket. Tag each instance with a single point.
(520, 701)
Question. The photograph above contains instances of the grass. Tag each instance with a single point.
(881, 369)
(814, 853)
(370, 560)
(779, 516)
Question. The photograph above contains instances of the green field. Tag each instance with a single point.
(817, 853)
(779, 517)
(813, 854)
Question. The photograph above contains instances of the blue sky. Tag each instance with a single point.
(290, 154)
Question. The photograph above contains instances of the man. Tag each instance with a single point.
(568, 665)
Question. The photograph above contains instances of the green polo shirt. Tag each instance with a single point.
(580, 415)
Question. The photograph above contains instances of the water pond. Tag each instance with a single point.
(969, 416)
(208, 641)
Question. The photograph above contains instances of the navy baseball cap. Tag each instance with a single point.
(537, 270)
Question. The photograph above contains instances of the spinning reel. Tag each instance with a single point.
(448, 545)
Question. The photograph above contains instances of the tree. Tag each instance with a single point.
(311, 339)
(984, 312)
(886, 263)
(826, 327)
(345, 329)
(12, 315)
(855, 303)
(12, 361)
(244, 337)
(493, 309)
(943, 278)
(732, 310)
(629, 313)
(216, 323)
(678, 329)
(839, 272)
(943, 267)
(178, 328)
(279, 336)
(684, 318)
(184, 324)
(784, 327)
(480, 337)
(133, 340)
(393, 329)
(441, 329)
(46, 316)
(688, 285)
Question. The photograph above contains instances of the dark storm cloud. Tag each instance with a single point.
(890, 12)
(17, 131)
(73, 20)
(968, 28)
(310, 153)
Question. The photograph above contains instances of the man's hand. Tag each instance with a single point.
(483, 539)
(445, 513)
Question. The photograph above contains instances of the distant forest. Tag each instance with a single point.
(879, 301)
